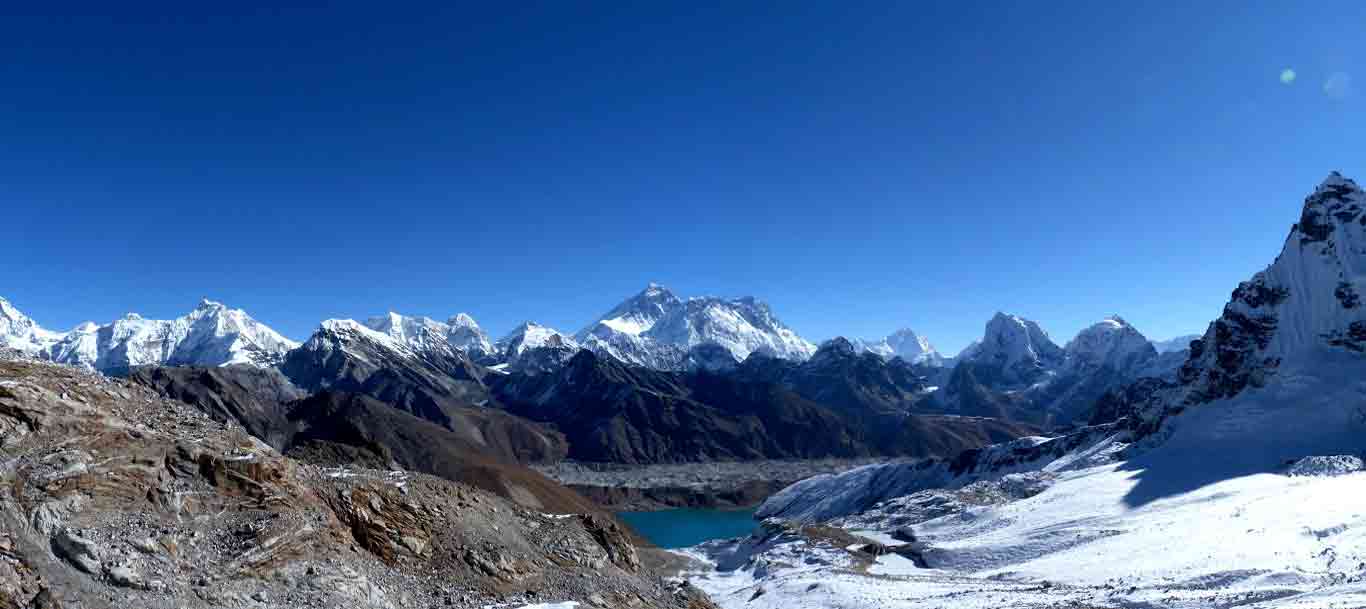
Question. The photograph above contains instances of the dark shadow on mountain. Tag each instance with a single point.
(1162, 474)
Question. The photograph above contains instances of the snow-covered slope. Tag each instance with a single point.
(531, 347)
(422, 333)
(657, 329)
(1111, 343)
(903, 343)
(1300, 318)
(1238, 484)
(210, 335)
(19, 332)
(1263, 541)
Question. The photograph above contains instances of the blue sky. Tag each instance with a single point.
(861, 166)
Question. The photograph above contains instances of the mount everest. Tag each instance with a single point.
(1226, 472)
(1015, 371)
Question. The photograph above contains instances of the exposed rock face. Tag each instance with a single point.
(113, 497)
(611, 411)
(337, 428)
(1061, 390)
(249, 396)
(340, 428)
(534, 349)
(346, 356)
(614, 412)
(1301, 309)
(855, 383)
(1014, 352)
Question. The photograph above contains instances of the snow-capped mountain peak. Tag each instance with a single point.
(656, 328)
(19, 332)
(636, 315)
(534, 348)
(904, 343)
(530, 335)
(350, 329)
(1112, 343)
(425, 335)
(462, 320)
(1018, 347)
(1301, 311)
(212, 334)
(838, 347)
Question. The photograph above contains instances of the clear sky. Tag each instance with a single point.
(861, 166)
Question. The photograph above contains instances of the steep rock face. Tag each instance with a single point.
(709, 357)
(1105, 356)
(330, 427)
(1305, 303)
(466, 335)
(1014, 352)
(210, 335)
(1015, 373)
(611, 411)
(657, 329)
(346, 356)
(252, 397)
(113, 497)
(532, 348)
(966, 395)
(857, 384)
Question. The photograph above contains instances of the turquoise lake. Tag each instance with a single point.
(688, 527)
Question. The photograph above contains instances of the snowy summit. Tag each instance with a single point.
(657, 329)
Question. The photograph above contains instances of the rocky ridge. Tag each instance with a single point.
(113, 496)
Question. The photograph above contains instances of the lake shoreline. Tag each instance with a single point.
(728, 485)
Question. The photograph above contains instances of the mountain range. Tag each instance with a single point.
(654, 329)
(1026, 453)
(1227, 480)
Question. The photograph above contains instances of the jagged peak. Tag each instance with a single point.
(838, 344)
(462, 320)
(341, 325)
(1335, 179)
(209, 305)
(526, 325)
(9, 310)
(656, 289)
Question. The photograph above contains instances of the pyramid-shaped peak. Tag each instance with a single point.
(462, 320)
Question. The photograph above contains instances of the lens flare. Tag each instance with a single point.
(1338, 85)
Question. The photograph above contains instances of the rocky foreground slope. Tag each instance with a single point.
(111, 496)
